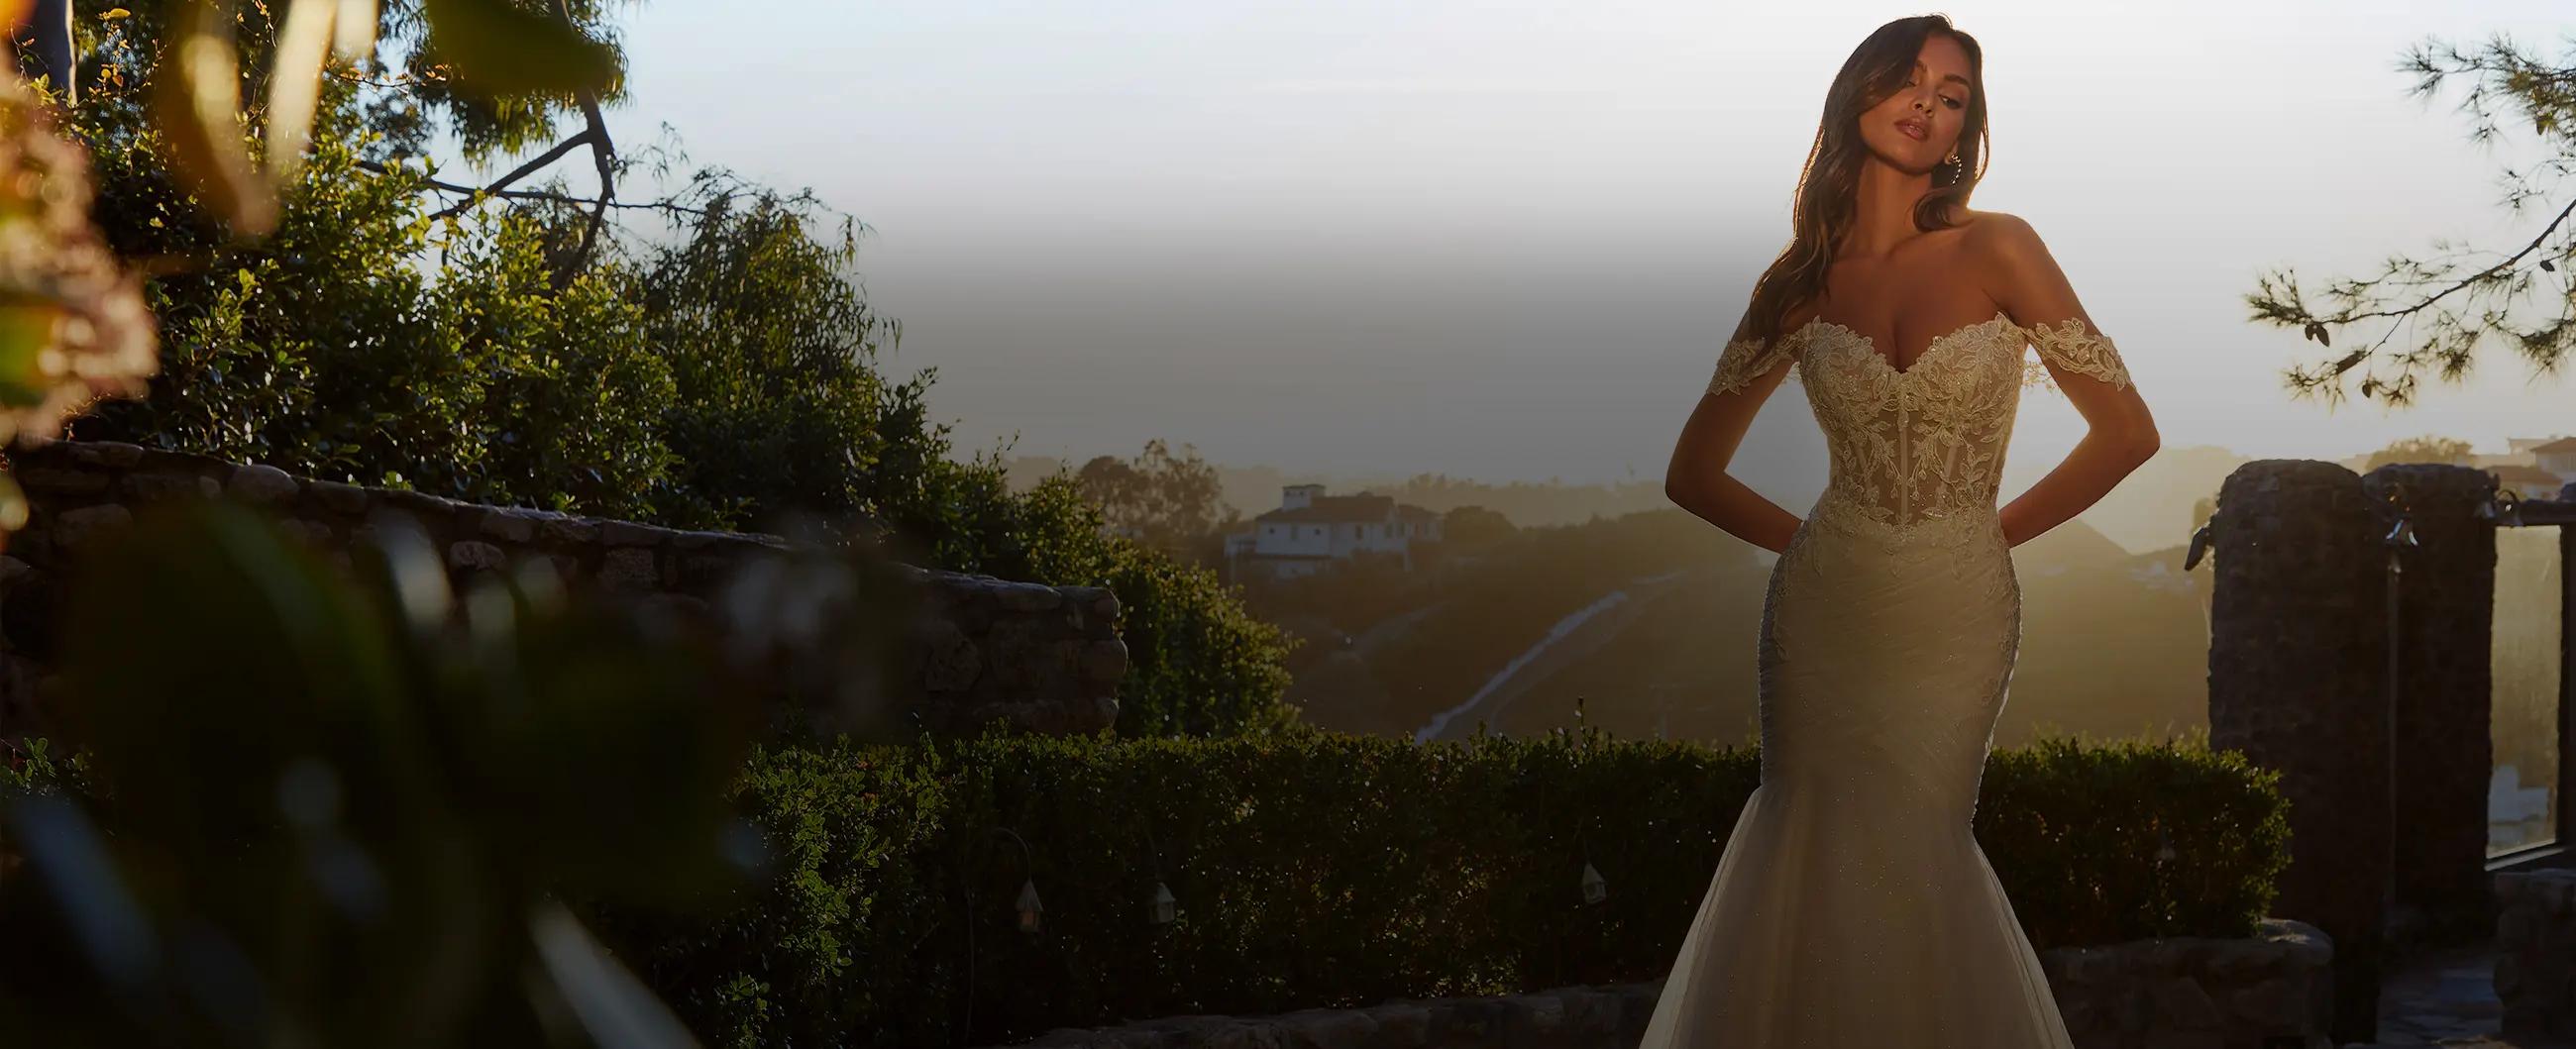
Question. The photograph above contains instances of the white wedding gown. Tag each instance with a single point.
(1852, 907)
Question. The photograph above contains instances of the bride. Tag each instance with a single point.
(1852, 906)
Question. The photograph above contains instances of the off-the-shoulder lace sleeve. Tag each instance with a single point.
(1745, 360)
(2073, 349)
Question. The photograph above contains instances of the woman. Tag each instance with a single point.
(1852, 906)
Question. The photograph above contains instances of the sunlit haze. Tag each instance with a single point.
(1504, 241)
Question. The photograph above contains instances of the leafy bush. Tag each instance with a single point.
(723, 378)
(1319, 870)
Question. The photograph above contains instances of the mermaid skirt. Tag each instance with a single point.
(1852, 907)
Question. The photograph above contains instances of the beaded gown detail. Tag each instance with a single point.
(1852, 906)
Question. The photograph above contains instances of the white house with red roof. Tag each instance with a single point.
(1311, 532)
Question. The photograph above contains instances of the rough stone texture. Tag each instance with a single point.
(2273, 989)
(261, 485)
(2535, 971)
(2298, 682)
(2445, 694)
(2266, 992)
(982, 649)
(1612, 1017)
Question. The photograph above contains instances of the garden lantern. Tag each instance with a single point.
(1029, 906)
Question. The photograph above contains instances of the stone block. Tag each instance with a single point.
(339, 498)
(508, 525)
(56, 479)
(161, 487)
(474, 555)
(113, 454)
(74, 529)
(261, 485)
(628, 533)
(629, 570)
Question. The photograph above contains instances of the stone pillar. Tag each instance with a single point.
(2298, 682)
(2445, 696)
(2566, 663)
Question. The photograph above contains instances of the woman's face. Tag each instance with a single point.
(1914, 128)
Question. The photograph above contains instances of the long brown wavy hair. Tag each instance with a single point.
(1828, 187)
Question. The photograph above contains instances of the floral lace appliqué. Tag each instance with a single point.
(2072, 348)
(1745, 360)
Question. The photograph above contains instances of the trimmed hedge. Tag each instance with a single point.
(1322, 870)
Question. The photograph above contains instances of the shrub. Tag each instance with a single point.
(1321, 870)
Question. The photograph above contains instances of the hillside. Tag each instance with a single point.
(2113, 644)
(2151, 508)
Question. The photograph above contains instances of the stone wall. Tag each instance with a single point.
(2271, 991)
(1612, 1017)
(2298, 681)
(2274, 989)
(2535, 970)
(1045, 658)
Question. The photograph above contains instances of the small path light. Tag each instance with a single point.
(1029, 907)
(1594, 889)
(1165, 907)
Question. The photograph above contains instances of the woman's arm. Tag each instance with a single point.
(1697, 481)
(2120, 433)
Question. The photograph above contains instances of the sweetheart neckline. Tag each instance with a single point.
(1870, 345)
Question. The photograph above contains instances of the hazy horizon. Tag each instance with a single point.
(1503, 242)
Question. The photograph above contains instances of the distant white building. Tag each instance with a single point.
(2557, 457)
(1311, 531)
(2532, 467)
(2529, 482)
(2522, 447)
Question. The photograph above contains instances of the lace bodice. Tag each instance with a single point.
(1924, 444)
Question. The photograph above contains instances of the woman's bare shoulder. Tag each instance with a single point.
(1994, 229)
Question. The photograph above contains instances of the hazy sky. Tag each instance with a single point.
(1505, 240)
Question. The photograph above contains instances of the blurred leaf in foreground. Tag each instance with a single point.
(354, 813)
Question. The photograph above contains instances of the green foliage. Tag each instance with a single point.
(725, 377)
(779, 409)
(1320, 870)
(346, 814)
(1171, 503)
(485, 120)
(31, 766)
(2083, 832)
(325, 351)
(1198, 662)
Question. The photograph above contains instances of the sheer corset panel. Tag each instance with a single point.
(1923, 444)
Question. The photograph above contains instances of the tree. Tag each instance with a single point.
(1468, 528)
(721, 377)
(1166, 503)
(2454, 301)
(2426, 449)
